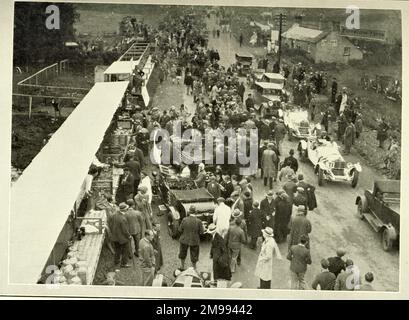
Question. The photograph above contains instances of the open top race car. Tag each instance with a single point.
(190, 278)
(178, 194)
(381, 208)
(298, 125)
(328, 162)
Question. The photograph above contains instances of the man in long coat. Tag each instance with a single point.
(142, 205)
(219, 252)
(125, 187)
(300, 226)
(349, 137)
(255, 224)
(221, 217)
(268, 164)
(267, 208)
(282, 218)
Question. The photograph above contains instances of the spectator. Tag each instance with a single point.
(255, 224)
(264, 267)
(337, 264)
(157, 245)
(191, 228)
(219, 253)
(326, 279)
(221, 217)
(291, 161)
(120, 236)
(300, 258)
(147, 256)
(367, 286)
(268, 165)
(347, 280)
(235, 238)
(135, 221)
(300, 226)
(382, 132)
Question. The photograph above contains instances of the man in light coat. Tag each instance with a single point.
(268, 164)
(221, 217)
(264, 267)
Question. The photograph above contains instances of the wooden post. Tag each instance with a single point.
(30, 103)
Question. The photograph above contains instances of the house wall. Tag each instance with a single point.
(332, 49)
(308, 47)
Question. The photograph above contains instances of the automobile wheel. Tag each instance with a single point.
(355, 179)
(361, 208)
(320, 177)
(387, 241)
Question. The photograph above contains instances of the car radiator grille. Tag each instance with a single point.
(338, 172)
(303, 130)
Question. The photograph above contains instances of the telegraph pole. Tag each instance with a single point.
(281, 21)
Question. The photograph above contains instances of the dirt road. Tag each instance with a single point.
(334, 223)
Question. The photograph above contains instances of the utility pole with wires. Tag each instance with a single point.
(281, 20)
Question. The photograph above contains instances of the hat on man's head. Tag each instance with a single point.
(301, 208)
(123, 206)
(221, 199)
(192, 209)
(300, 177)
(256, 204)
(268, 232)
(211, 229)
(235, 194)
(341, 252)
(300, 189)
(270, 193)
(236, 213)
(291, 151)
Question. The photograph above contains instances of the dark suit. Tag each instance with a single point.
(135, 221)
(325, 279)
(125, 188)
(300, 257)
(190, 229)
(336, 265)
(221, 258)
(135, 168)
(291, 162)
(300, 226)
(120, 237)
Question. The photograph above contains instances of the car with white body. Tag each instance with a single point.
(298, 125)
(328, 162)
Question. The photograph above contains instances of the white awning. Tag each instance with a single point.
(44, 195)
(121, 67)
(275, 76)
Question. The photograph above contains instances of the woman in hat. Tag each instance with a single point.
(264, 267)
(219, 252)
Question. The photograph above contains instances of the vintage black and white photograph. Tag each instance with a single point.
(196, 146)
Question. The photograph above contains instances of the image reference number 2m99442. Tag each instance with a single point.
(220, 309)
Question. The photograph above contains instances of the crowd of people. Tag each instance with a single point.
(184, 58)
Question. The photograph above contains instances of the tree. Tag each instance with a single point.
(32, 40)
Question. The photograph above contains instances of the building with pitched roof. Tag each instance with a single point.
(321, 46)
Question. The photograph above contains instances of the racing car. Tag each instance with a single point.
(328, 162)
(298, 125)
